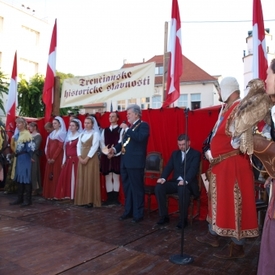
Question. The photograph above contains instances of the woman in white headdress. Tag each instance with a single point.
(54, 156)
(67, 179)
(87, 191)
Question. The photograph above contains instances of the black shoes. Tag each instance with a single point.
(137, 220)
(16, 202)
(163, 220)
(179, 225)
(124, 217)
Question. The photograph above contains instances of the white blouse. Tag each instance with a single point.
(84, 137)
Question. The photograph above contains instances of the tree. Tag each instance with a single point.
(3, 89)
(30, 96)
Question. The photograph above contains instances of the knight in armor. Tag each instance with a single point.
(231, 199)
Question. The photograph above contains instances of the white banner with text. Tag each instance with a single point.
(127, 83)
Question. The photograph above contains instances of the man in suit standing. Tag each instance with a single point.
(176, 184)
(133, 148)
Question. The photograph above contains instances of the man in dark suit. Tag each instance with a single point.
(176, 184)
(133, 154)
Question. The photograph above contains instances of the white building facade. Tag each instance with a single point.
(22, 31)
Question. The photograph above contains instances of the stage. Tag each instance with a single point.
(56, 237)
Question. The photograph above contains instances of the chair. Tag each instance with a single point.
(191, 214)
(153, 170)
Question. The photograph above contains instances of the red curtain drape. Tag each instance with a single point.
(165, 126)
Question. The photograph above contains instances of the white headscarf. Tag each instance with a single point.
(95, 125)
(61, 133)
(69, 136)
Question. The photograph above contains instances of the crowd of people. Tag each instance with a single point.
(77, 156)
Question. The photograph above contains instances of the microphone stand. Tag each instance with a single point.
(182, 258)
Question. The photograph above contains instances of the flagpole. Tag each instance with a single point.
(165, 57)
(49, 85)
(56, 96)
(174, 71)
(260, 62)
(12, 101)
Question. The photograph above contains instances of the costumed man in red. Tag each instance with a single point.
(110, 167)
(231, 201)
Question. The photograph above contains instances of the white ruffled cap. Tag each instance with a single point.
(228, 86)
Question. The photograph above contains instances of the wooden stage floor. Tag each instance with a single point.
(53, 237)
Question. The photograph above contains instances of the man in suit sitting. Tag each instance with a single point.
(176, 184)
(133, 147)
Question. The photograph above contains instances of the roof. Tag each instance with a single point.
(191, 72)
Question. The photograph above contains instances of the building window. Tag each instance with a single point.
(1, 23)
(121, 105)
(158, 70)
(156, 101)
(31, 37)
(195, 101)
(183, 101)
(145, 102)
(28, 68)
(132, 101)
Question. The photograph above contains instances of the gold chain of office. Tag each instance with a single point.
(123, 150)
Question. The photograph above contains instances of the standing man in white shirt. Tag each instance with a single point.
(110, 167)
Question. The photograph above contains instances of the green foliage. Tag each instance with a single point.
(3, 89)
(30, 96)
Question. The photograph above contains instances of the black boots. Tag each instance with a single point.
(27, 188)
(112, 198)
(20, 194)
(28, 195)
(115, 198)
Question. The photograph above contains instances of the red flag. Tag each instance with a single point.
(259, 47)
(12, 100)
(49, 80)
(175, 63)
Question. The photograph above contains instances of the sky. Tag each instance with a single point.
(96, 36)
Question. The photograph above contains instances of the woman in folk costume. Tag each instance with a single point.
(36, 175)
(67, 179)
(88, 175)
(267, 251)
(231, 206)
(54, 156)
(24, 148)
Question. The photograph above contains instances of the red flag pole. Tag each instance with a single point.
(48, 90)
(175, 63)
(12, 101)
(260, 63)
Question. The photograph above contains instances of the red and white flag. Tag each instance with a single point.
(260, 63)
(175, 63)
(48, 91)
(12, 101)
